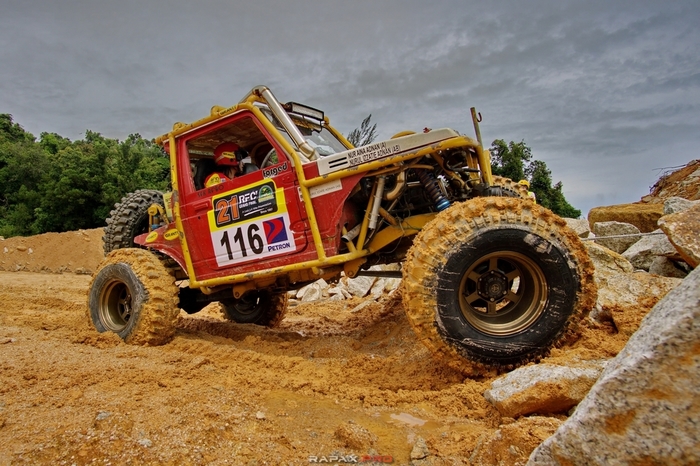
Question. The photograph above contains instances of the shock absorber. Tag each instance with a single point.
(429, 182)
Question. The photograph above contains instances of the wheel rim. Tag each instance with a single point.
(503, 293)
(116, 306)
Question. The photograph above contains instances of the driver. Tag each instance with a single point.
(227, 165)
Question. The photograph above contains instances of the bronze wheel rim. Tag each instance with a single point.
(503, 293)
(116, 306)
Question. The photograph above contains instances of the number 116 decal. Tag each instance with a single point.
(253, 240)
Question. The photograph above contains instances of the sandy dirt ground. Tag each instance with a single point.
(328, 382)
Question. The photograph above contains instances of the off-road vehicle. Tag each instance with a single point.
(490, 279)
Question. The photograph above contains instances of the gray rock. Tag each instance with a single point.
(377, 290)
(618, 245)
(420, 449)
(607, 261)
(144, 442)
(666, 268)
(674, 205)
(335, 293)
(542, 388)
(641, 254)
(313, 292)
(580, 226)
(102, 415)
(643, 409)
(665, 248)
(360, 286)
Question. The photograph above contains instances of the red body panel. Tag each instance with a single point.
(255, 221)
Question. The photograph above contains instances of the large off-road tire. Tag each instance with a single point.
(510, 188)
(260, 307)
(133, 295)
(129, 218)
(496, 282)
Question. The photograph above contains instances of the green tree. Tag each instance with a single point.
(510, 160)
(22, 166)
(514, 160)
(58, 185)
(363, 135)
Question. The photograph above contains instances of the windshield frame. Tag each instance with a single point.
(314, 132)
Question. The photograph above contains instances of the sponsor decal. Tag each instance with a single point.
(372, 152)
(152, 236)
(326, 188)
(245, 204)
(171, 235)
(274, 171)
(250, 224)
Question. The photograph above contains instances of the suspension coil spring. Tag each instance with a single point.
(429, 182)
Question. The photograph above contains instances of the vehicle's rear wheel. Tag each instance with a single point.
(133, 295)
(259, 307)
(129, 218)
(496, 282)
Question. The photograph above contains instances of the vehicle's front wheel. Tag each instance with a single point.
(495, 283)
(259, 307)
(133, 295)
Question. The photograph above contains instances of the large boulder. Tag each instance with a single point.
(624, 235)
(580, 226)
(673, 205)
(683, 230)
(643, 216)
(607, 261)
(626, 298)
(644, 407)
(542, 388)
(667, 268)
(642, 253)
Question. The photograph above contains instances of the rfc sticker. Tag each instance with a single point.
(250, 224)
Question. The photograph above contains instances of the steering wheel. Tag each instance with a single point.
(268, 158)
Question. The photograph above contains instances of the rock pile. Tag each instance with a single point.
(666, 251)
(347, 288)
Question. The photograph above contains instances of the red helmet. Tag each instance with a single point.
(225, 154)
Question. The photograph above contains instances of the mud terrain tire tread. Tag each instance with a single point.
(512, 188)
(459, 225)
(271, 316)
(153, 291)
(126, 220)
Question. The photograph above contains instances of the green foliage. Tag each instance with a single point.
(514, 161)
(510, 160)
(58, 185)
(363, 135)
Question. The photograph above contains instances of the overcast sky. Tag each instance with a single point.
(607, 93)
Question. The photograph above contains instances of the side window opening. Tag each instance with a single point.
(252, 150)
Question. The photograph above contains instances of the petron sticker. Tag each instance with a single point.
(250, 224)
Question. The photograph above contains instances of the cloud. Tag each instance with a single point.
(602, 91)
